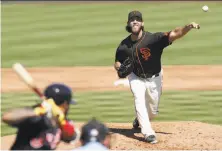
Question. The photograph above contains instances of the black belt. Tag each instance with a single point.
(147, 75)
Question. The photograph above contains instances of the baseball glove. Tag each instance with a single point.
(126, 68)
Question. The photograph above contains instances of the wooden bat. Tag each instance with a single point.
(27, 78)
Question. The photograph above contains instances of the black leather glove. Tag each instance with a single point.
(126, 68)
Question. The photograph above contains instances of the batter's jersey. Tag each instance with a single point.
(145, 52)
(36, 133)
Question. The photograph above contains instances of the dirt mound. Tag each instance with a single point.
(102, 78)
(171, 136)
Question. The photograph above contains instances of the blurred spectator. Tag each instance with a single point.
(94, 136)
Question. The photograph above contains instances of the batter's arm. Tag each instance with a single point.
(181, 31)
(17, 116)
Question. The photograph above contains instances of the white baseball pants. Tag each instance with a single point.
(147, 94)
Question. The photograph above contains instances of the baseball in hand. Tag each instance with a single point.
(205, 8)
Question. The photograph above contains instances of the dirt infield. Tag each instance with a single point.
(102, 78)
(171, 135)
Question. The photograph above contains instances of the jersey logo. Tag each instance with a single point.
(49, 137)
(36, 143)
(145, 53)
(53, 140)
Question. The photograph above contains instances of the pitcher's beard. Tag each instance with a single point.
(137, 33)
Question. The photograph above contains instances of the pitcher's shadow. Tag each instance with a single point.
(130, 133)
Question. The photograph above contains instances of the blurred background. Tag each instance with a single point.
(45, 36)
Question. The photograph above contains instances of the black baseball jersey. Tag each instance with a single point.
(36, 133)
(145, 52)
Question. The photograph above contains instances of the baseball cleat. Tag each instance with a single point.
(151, 139)
(136, 124)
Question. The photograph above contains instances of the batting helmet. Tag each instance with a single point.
(60, 93)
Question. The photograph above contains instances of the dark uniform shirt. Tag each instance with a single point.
(145, 53)
(36, 133)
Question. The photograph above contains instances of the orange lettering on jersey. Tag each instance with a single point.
(145, 53)
(36, 143)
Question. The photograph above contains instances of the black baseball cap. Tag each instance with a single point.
(59, 93)
(135, 14)
(94, 131)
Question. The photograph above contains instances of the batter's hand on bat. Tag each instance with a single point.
(45, 109)
(194, 25)
(49, 108)
(56, 111)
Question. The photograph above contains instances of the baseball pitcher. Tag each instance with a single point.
(138, 57)
(39, 127)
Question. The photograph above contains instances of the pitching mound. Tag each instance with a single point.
(171, 136)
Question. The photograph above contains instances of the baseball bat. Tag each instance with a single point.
(27, 78)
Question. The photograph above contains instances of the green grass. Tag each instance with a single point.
(79, 34)
(204, 106)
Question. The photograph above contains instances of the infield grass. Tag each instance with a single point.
(204, 106)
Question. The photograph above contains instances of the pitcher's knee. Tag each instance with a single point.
(140, 101)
